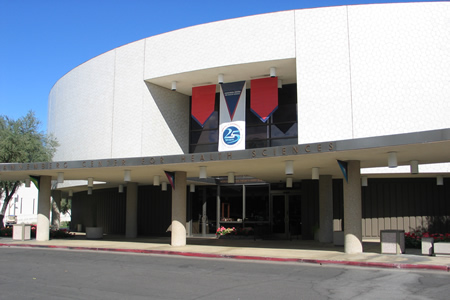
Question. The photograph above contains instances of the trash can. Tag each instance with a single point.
(94, 233)
(21, 232)
(79, 227)
(392, 241)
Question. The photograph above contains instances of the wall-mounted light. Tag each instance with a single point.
(27, 182)
(120, 188)
(60, 177)
(392, 159)
(192, 188)
(90, 182)
(364, 181)
(220, 78)
(127, 176)
(440, 180)
(414, 167)
(289, 182)
(315, 173)
(174, 85)
(203, 174)
(164, 186)
(231, 177)
(273, 72)
(280, 84)
(70, 193)
(156, 181)
(289, 167)
(89, 192)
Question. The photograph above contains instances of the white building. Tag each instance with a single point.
(359, 84)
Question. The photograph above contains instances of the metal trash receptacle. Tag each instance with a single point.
(21, 232)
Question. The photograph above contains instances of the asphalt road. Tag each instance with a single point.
(63, 274)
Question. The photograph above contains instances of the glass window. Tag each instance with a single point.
(282, 142)
(204, 137)
(203, 148)
(280, 129)
(257, 133)
(257, 203)
(284, 130)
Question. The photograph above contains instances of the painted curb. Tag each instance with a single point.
(247, 257)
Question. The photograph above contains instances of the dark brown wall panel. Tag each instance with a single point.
(154, 211)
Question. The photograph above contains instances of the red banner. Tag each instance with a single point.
(203, 100)
(264, 97)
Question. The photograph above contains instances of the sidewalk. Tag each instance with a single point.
(263, 250)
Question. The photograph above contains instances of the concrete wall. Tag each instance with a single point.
(237, 41)
(371, 70)
(104, 109)
(365, 70)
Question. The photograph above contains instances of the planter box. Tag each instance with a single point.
(427, 246)
(441, 249)
(338, 238)
(235, 237)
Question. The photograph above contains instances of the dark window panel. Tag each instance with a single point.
(256, 144)
(257, 132)
(203, 148)
(283, 142)
(284, 130)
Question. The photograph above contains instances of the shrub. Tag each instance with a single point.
(413, 239)
(54, 234)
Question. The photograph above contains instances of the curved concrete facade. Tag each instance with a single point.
(361, 71)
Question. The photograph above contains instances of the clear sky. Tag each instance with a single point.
(41, 40)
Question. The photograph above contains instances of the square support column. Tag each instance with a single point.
(178, 236)
(326, 208)
(131, 210)
(43, 217)
(353, 209)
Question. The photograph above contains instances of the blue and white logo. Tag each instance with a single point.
(231, 135)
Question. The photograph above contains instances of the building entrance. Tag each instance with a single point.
(271, 213)
(285, 214)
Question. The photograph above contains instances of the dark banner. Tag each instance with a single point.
(232, 116)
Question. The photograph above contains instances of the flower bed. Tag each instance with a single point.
(54, 234)
(234, 233)
(430, 243)
(413, 239)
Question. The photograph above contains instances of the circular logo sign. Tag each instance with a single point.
(231, 135)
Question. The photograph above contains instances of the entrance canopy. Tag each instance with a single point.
(267, 164)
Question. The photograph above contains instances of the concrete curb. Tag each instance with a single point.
(385, 265)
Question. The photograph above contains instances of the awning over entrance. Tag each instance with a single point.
(266, 164)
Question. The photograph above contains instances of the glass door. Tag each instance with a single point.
(279, 213)
(295, 215)
(286, 215)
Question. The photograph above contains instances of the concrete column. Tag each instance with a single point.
(56, 209)
(326, 208)
(353, 209)
(189, 215)
(131, 210)
(204, 217)
(43, 217)
(178, 236)
(218, 208)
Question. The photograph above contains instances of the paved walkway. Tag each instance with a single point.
(267, 250)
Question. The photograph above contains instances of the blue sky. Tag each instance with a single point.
(41, 40)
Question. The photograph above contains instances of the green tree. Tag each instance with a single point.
(66, 206)
(21, 141)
